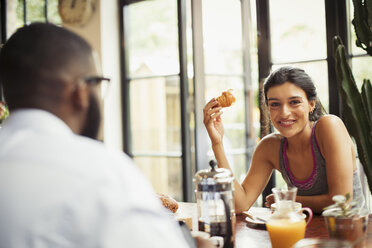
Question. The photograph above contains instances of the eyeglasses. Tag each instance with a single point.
(98, 80)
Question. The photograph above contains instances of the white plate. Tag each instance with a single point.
(255, 216)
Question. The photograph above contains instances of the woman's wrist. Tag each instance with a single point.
(217, 145)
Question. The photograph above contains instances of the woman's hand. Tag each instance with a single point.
(269, 200)
(213, 122)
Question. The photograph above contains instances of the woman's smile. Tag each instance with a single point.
(286, 123)
(289, 108)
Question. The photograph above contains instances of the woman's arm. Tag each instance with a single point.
(337, 149)
(258, 175)
(261, 167)
(316, 202)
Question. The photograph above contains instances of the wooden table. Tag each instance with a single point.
(257, 237)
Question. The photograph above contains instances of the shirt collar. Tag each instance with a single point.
(36, 119)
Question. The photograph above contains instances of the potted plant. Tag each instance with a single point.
(4, 112)
(357, 105)
(346, 220)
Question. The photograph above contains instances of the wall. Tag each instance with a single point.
(102, 32)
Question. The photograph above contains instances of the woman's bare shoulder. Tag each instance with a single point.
(329, 120)
(329, 129)
(330, 123)
(270, 141)
(267, 149)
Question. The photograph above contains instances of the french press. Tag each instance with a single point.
(215, 203)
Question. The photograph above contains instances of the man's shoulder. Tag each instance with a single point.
(94, 149)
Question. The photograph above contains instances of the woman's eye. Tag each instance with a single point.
(294, 102)
(274, 104)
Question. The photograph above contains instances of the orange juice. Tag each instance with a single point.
(284, 233)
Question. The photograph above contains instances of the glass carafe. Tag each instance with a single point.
(286, 226)
(215, 203)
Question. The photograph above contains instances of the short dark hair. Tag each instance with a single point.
(33, 60)
(299, 78)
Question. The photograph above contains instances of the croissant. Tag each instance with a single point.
(226, 99)
(168, 202)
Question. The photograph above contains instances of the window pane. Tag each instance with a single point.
(298, 30)
(237, 162)
(35, 11)
(153, 38)
(239, 166)
(53, 15)
(14, 16)
(215, 85)
(354, 49)
(234, 116)
(165, 174)
(222, 36)
(189, 42)
(361, 67)
(155, 115)
(319, 73)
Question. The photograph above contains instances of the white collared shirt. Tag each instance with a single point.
(58, 189)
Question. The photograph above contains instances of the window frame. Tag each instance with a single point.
(336, 24)
(185, 155)
(193, 158)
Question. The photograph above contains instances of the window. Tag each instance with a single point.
(294, 38)
(154, 93)
(298, 39)
(225, 68)
(360, 65)
(360, 60)
(300, 33)
(17, 13)
(21, 12)
(178, 57)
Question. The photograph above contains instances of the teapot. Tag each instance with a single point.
(215, 203)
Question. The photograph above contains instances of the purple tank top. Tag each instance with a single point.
(317, 183)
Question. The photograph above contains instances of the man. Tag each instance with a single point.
(58, 188)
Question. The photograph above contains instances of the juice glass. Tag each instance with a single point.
(284, 233)
(286, 225)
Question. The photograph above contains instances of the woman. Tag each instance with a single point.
(313, 152)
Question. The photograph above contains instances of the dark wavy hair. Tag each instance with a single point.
(299, 78)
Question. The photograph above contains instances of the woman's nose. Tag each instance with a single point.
(285, 110)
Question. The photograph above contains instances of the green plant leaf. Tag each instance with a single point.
(359, 23)
(354, 111)
(362, 29)
(367, 99)
(341, 208)
(368, 5)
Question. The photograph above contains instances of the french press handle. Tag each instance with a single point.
(228, 222)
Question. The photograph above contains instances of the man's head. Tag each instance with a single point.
(44, 66)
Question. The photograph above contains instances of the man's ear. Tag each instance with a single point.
(80, 97)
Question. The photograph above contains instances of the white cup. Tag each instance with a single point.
(218, 241)
(296, 205)
(200, 234)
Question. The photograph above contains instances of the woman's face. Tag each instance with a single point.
(289, 108)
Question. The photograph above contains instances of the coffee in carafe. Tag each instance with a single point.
(215, 203)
